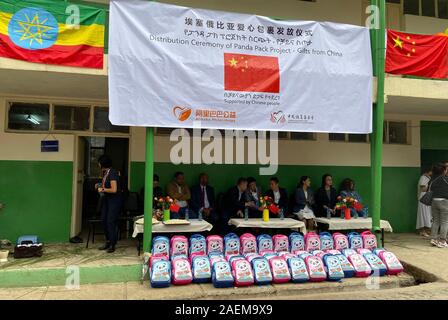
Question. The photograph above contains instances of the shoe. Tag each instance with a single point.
(105, 246)
(442, 244)
(434, 242)
(111, 249)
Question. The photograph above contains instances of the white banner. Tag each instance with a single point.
(173, 66)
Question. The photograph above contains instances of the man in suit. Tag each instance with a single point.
(203, 198)
(179, 191)
(234, 204)
(279, 195)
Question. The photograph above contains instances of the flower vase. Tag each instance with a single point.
(266, 215)
(347, 214)
(166, 214)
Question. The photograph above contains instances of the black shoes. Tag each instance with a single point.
(111, 249)
(105, 246)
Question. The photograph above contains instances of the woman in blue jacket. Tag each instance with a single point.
(348, 190)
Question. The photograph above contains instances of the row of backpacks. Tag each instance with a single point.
(245, 260)
(271, 267)
(231, 244)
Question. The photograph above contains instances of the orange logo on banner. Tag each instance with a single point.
(182, 113)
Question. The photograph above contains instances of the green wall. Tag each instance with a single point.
(38, 199)
(399, 184)
(433, 135)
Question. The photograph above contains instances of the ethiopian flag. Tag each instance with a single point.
(52, 32)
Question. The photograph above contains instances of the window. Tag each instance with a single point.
(411, 7)
(337, 136)
(428, 8)
(71, 118)
(396, 132)
(343, 137)
(302, 136)
(442, 9)
(101, 122)
(357, 138)
(29, 116)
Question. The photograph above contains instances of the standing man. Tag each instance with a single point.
(179, 191)
(203, 198)
(279, 195)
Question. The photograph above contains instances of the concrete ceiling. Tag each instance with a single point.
(416, 106)
(54, 84)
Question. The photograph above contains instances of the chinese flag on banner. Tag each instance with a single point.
(249, 73)
(417, 55)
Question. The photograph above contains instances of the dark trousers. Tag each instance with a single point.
(110, 212)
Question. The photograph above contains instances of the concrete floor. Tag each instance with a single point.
(426, 262)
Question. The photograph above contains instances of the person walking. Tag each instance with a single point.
(423, 211)
(439, 206)
(111, 203)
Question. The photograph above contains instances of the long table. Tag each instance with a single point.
(339, 224)
(273, 223)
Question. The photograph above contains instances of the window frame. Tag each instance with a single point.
(420, 9)
(7, 108)
(53, 106)
(387, 137)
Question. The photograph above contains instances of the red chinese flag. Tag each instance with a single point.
(417, 55)
(249, 73)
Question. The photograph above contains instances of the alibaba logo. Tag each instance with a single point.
(182, 113)
(278, 117)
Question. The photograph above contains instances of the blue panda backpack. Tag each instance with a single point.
(326, 241)
(355, 240)
(222, 275)
(161, 246)
(231, 244)
(160, 275)
(264, 243)
(201, 269)
(298, 270)
(349, 270)
(333, 267)
(377, 265)
(296, 242)
(262, 271)
(198, 245)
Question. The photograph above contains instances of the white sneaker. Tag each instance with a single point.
(442, 244)
(434, 242)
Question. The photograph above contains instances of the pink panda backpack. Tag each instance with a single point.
(392, 263)
(316, 268)
(178, 246)
(361, 266)
(312, 241)
(215, 244)
(181, 272)
(340, 241)
(248, 243)
(369, 240)
(280, 270)
(281, 243)
(242, 273)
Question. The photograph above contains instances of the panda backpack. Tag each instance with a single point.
(312, 242)
(340, 241)
(348, 252)
(280, 270)
(377, 265)
(361, 266)
(198, 245)
(215, 257)
(369, 240)
(160, 274)
(297, 268)
(231, 244)
(178, 246)
(296, 242)
(215, 244)
(281, 243)
(265, 244)
(161, 246)
(262, 271)
(201, 269)
(355, 240)
(242, 273)
(248, 243)
(181, 272)
(333, 267)
(392, 263)
(326, 241)
(347, 268)
(222, 275)
(316, 269)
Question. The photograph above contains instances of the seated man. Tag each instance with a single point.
(179, 191)
(279, 195)
(156, 190)
(234, 204)
(203, 198)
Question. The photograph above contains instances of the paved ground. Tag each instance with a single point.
(426, 262)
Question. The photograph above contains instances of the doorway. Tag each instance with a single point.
(87, 174)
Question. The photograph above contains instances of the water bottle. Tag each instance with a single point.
(246, 214)
(200, 214)
(187, 214)
(328, 213)
(282, 214)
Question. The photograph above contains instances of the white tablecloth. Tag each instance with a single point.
(274, 223)
(194, 226)
(352, 224)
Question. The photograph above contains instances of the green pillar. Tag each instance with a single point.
(376, 145)
(149, 173)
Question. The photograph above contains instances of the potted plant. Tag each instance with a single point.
(345, 204)
(268, 204)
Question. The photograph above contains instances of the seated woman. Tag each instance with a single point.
(303, 202)
(253, 194)
(348, 190)
(325, 198)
